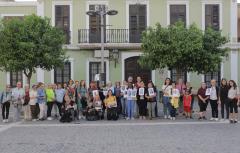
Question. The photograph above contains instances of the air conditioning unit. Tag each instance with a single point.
(97, 53)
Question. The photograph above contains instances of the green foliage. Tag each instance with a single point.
(29, 43)
(188, 49)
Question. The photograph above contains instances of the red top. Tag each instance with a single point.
(187, 99)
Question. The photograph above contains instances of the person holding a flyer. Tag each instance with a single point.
(141, 101)
(151, 100)
(175, 94)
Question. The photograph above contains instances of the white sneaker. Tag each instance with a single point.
(49, 118)
(169, 116)
(34, 120)
(132, 118)
(211, 119)
(222, 120)
(165, 116)
(174, 118)
(216, 119)
(4, 121)
(127, 118)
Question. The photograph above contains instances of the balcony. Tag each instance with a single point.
(113, 38)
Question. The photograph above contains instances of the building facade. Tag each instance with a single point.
(122, 36)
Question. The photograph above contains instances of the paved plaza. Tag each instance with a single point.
(137, 136)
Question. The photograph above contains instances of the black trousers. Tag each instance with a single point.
(233, 105)
(214, 106)
(173, 112)
(5, 110)
(59, 105)
(119, 105)
(142, 106)
(225, 105)
(49, 108)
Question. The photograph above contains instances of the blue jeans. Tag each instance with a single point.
(166, 106)
(130, 108)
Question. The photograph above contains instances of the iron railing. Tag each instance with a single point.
(110, 36)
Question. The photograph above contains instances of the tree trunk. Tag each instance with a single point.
(28, 81)
(29, 76)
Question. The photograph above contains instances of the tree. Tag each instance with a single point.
(187, 49)
(30, 43)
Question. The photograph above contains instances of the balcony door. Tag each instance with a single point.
(95, 24)
(132, 68)
(62, 20)
(137, 22)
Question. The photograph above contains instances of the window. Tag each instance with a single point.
(178, 75)
(63, 75)
(137, 22)
(177, 13)
(62, 19)
(95, 68)
(95, 24)
(15, 77)
(212, 16)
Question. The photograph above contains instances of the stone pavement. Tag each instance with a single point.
(137, 136)
(120, 137)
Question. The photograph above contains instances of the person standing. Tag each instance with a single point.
(59, 92)
(187, 100)
(166, 89)
(141, 101)
(181, 86)
(234, 101)
(130, 102)
(151, 100)
(202, 101)
(117, 90)
(5, 100)
(50, 101)
(175, 94)
(26, 107)
(82, 98)
(124, 99)
(18, 94)
(32, 102)
(189, 89)
(41, 100)
(213, 98)
(223, 97)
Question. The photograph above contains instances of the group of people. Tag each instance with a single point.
(129, 100)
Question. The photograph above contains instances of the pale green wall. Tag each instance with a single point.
(238, 68)
(26, 10)
(227, 67)
(195, 80)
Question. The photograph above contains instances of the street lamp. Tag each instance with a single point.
(102, 12)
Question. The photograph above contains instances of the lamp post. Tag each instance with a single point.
(102, 12)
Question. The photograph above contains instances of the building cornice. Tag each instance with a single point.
(18, 3)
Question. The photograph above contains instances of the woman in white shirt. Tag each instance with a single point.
(32, 102)
(166, 89)
(234, 100)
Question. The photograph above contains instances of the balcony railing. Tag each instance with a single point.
(110, 36)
